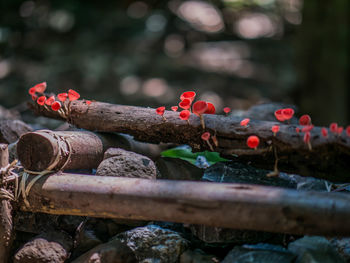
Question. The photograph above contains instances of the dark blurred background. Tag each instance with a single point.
(231, 52)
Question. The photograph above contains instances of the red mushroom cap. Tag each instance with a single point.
(41, 100)
(56, 106)
(279, 116)
(62, 96)
(199, 107)
(50, 100)
(185, 104)
(305, 120)
(174, 108)
(253, 141)
(160, 110)
(88, 102)
(188, 95)
(34, 97)
(245, 122)
(340, 130)
(333, 127)
(288, 113)
(348, 131)
(324, 132)
(184, 115)
(211, 108)
(205, 136)
(275, 128)
(41, 87)
(73, 95)
(32, 91)
(297, 129)
(227, 109)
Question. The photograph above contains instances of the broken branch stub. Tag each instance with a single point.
(329, 158)
(237, 206)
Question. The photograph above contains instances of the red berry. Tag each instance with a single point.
(253, 141)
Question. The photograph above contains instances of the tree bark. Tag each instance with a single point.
(6, 226)
(329, 157)
(236, 206)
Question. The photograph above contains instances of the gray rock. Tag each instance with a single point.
(234, 172)
(111, 252)
(314, 249)
(121, 163)
(177, 169)
(211, 234)
(197, 256)
(342, 246)
(49, 247)
(257, 255)
(154, 244)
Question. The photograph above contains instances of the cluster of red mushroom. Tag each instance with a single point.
(56, 103)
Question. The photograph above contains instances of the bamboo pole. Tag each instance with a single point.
(329, 158)
(73, 149)
(6, 226)
(236, 206)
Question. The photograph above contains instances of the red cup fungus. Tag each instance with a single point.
(305, 120)
(73, 95)
(185, 115)
(287, 113)
(185, 104)
(253, 142)
(227, 110)
(348, 131)
(41, 100)
(50, 100)
(279, 116)
(275, 129)
(307, 128)
(205, 137)
(174, 108)
(333, 127)
(34, 97)
(198, 108)
(307, 138)
(324, 132)
(297, 129)
(245, 122)
(41, 87)
(340, 130)
(88, 102)
(56, 106)
(211, 108)
(32, 91)
(188, 95)
(62, 96)
(160, 111)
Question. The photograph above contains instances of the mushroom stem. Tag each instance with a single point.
(309, 145)
(164, 119)
(210, 146)
(275, 171)
(188, 122)
(202, 121)
(215, 141)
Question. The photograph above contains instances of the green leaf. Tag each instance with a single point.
(188, 155)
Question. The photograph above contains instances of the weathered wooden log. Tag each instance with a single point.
(11, 130)
(6, 226)
(329, 157)
(72, 149)
(236, 206)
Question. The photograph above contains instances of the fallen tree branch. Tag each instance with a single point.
(236, 206)
(6, 225)
(329, 158)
